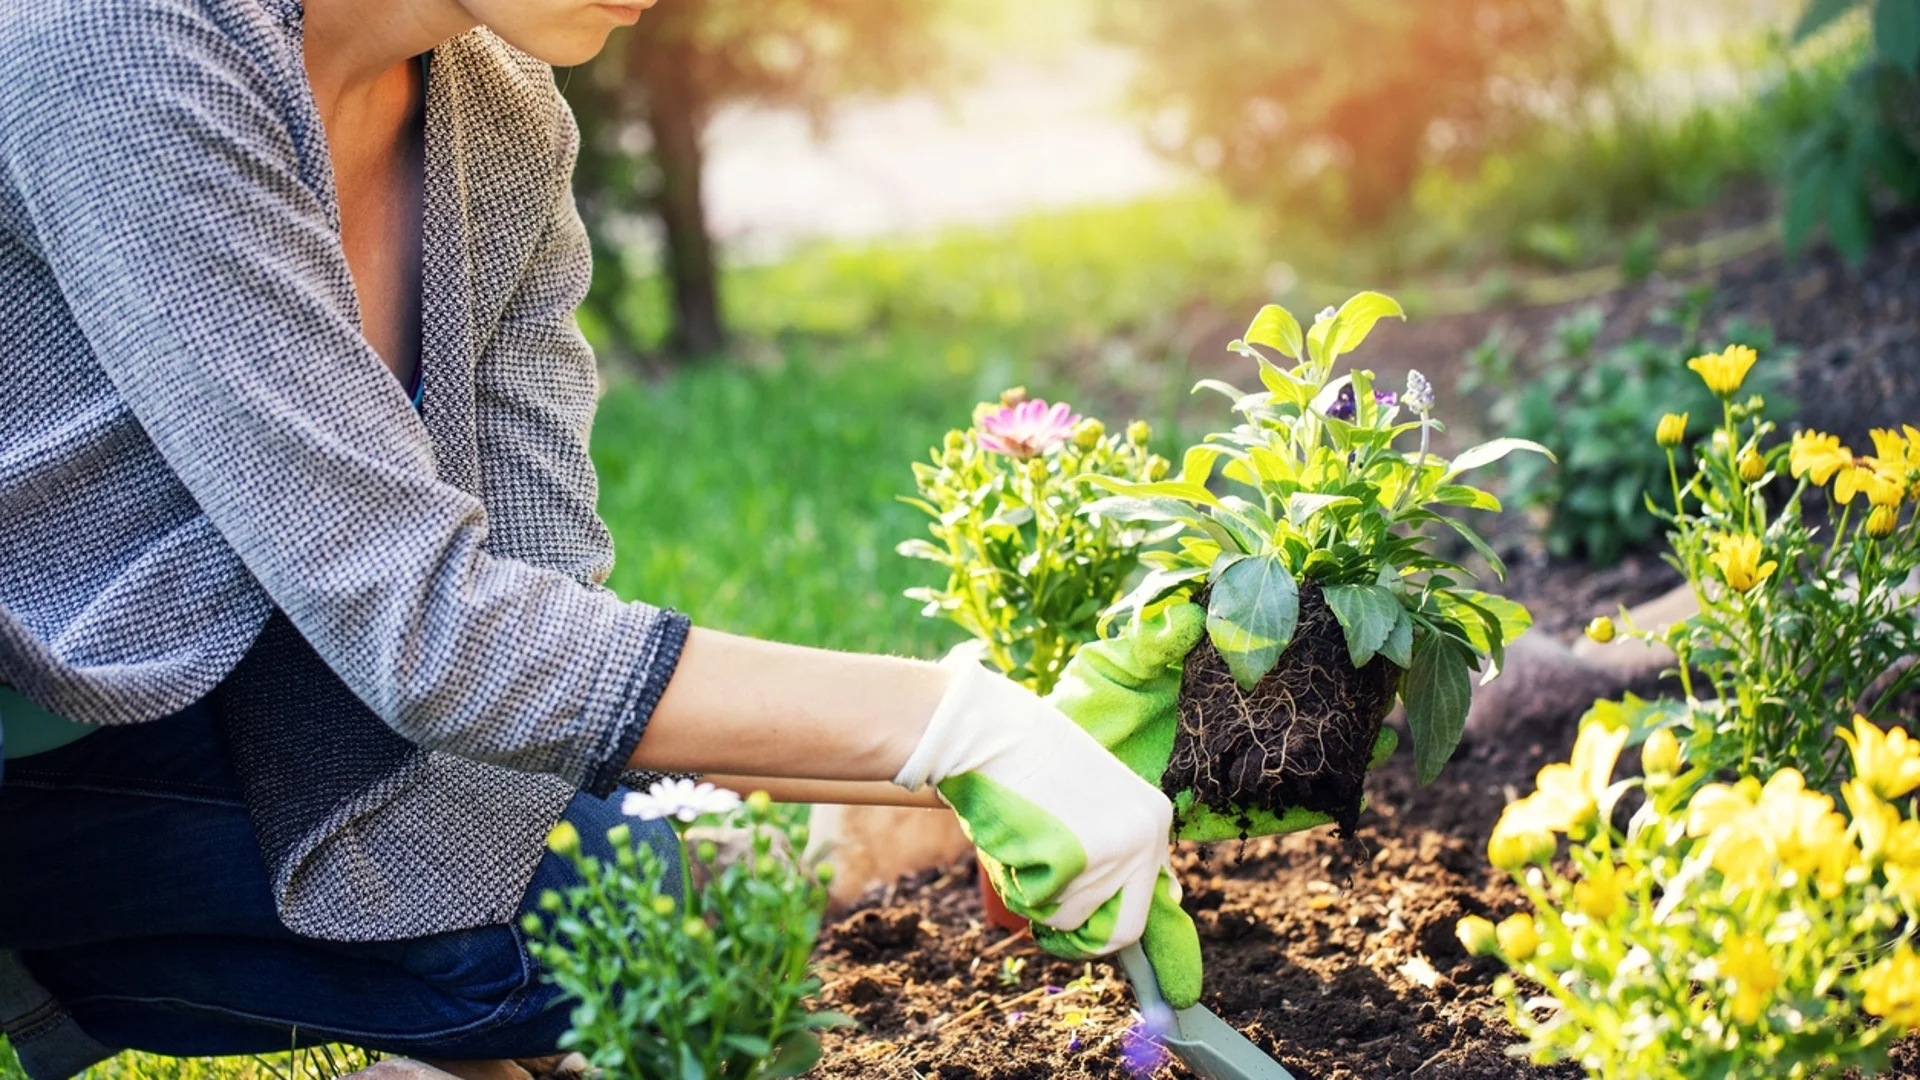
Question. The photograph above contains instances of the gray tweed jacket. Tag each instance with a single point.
(208, 479)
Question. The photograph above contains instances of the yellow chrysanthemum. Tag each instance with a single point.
(1882, 522)
(1738, 558)
(1883, 486)
(1660, 754)
(1600, 894)
(1724, 371)
(1886, 761)
(1892, 988)
(1520, 837)
(1745, 961)
(1886, 838)
(1477, 935)
(1818, 456)
(1519, 938)
(1752, 466)
(1889, 446)
(1752, 831)
(1672, 430)
(1568, 794)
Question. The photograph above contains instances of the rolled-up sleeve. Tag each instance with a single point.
(163, 186)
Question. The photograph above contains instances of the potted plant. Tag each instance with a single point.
(1317, 562)
(1027, 573)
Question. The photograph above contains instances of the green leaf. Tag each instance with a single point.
(1157, 584)
(1197, 466)
(1470, 497)
(1368, 613)
(1302, 505)
(1251, 616)
(1172, 489)
(1283, 386)
(751, 1045)
(1399, 644)
(798, 1052)
(1356, 320)
(1896, 33)
(690, 1066)
(1473, 539)
(1127, 508)
(922, 549)
(1513, 617)
(1437, 693)
(1818, 14)
(1277, 329)
(1489, 452)
(1232, 393)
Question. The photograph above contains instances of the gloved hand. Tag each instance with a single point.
(1125, 692)
(1070, 837)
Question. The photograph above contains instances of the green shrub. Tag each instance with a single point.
(1593, 408)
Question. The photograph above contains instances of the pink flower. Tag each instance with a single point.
(1028, 429)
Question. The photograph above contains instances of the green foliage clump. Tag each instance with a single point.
(1870, 139)
(1592, 407)
(1322, 495)
(1027, 574)
(711, 985)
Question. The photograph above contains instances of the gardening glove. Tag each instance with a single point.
(1125, 692)
(1070, 838)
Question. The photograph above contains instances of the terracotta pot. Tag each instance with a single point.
(997, 913)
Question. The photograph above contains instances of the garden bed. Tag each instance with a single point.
(1340, 957)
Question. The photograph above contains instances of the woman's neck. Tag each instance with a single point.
(353, 46)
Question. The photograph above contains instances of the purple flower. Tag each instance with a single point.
(1343, 403)
(1028, 429)
(1073, 1045)
(1141, 1049)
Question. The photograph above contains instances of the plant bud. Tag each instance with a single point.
(1013, 395)
(1518, 840)
(1672, 430)
(1752, 466)
(550, 900)
(1139, 432)
(759, 804)
(799, 836)
(825, 873)
(1478, 935)
(1089, 433)
(1600, 629)
(1883, 520)
(1660, 754)
(1157, 468)
(707, 851)
(663, 906)
(694, 928)
(530, 923)
(564, 839)
(956, 440)
(620, 836)
(1722, 443)
(1519, 937)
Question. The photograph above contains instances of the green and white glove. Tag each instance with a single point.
(1072, 838)
(1125, 692)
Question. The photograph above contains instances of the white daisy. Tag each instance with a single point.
(679, 798)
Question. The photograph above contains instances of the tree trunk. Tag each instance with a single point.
(676, 115)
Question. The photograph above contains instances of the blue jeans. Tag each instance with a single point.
(132, 890)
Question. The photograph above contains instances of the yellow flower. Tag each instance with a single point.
(1738, 558)
(1746, 962)
(1886, 761)
(1892, 988)
(1723, 372)
(1660, 754)
(1519, 938)
(1883, 486)
(1600, 893)
(1717, 806)
(1568, 793)
(1889, 445)
(1520, 837)
(1477, 935)
(1752, 831)
(1886, 839)
(1672, 430)
(1882, 522)
(1752, 466)
(563, 839)
(1818, 456)
(1600, 629)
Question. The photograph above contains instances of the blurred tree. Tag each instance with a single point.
(1333, 107)
(644, 105)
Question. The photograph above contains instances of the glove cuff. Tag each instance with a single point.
(968, 682)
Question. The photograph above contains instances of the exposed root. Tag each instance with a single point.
(1301, 738)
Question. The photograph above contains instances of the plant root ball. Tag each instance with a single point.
(1300, 738)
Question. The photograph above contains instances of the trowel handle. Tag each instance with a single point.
(1146, 987)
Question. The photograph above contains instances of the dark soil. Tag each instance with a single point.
(1300, 738)
(1339, 956)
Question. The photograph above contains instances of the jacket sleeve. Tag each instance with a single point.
(161, 178)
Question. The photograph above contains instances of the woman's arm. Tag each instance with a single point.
(842, 792)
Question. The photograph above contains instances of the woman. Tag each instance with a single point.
(301, 621)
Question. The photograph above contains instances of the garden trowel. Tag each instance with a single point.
(1201, 1040)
